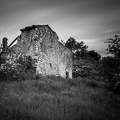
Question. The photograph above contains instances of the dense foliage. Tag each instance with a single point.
(84, 61)
(96, 56)
(79, 49)
(110, 66)
(89, 63)
(114, 46)
(17, 70)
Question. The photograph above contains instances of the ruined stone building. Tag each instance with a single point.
(41, 43)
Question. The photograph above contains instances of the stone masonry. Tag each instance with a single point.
(41, 43)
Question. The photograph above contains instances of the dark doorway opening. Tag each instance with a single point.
(67, 74)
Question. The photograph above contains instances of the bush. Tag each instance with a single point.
(110, 70)
(18, 70)
(84, 67)
(109, 67)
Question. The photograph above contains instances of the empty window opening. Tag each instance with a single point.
(67, 74)
(50, 65)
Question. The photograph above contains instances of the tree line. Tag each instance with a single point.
(80, 50)
(107, 67)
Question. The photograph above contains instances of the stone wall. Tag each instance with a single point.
(41, 43)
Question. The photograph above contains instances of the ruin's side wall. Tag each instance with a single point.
(66, 57)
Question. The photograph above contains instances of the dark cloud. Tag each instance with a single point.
(88, 20)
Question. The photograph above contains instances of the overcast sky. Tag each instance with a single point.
(90, 21)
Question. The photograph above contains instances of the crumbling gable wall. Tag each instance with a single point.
(41, 43)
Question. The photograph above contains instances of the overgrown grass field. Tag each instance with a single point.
(55, 98)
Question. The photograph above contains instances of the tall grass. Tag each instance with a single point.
(55, 98)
